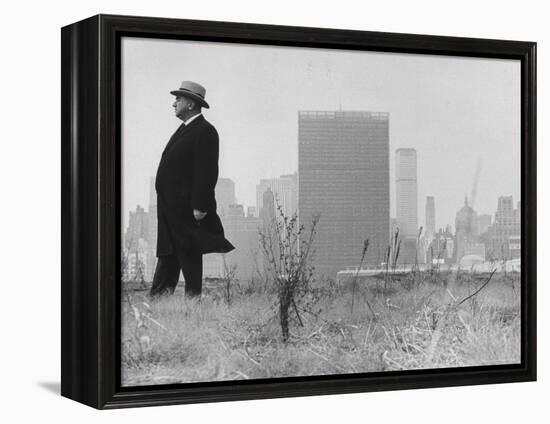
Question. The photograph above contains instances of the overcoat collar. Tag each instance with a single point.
(181, 130)
(199, 118)
(195, 116)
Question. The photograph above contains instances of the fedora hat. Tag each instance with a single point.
(193, 90)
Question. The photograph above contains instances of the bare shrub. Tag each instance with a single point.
(229, 273)
(288, 249)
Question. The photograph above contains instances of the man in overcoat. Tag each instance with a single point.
(188, 225)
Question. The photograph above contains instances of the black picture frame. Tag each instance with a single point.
(91, 212)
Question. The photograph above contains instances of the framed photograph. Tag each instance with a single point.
(254, 211)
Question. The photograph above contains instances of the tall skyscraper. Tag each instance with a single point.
(343, 175)
(225, 195)
(430, 218)
(406, 192)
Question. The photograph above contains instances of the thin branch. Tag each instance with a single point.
(478, 290)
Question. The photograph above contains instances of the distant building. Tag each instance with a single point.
(441, 248)
(422, 250)
(406, 204)
(429, 231)
(251, 212)
(505, 232)
(408, 252)
(292, 207)
(285, 193)
(484, 221)
(140, 240)
(242, 232)
(137, 263)
(225, 195)
(406, 201)
(235, 210)
(140, 237)
(466, 229)
(514, 247)
(343, 176)
(268, 212)
(138, 228)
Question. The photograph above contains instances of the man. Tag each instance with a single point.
(188, 225)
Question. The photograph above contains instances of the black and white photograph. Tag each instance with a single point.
(252, 212)
(296, 211)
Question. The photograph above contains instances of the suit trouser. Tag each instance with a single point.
(167, 274)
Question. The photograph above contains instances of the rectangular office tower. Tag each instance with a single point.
(430, 218)
(406, 192)
(343, 175)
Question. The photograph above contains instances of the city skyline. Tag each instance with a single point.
(353, 212)
(421, 217)
(483, 215)
(477, 238)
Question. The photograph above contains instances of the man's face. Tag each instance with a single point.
(181, 106)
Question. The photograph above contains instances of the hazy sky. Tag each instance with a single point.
(455, 112)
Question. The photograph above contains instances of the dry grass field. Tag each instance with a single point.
(416, 322)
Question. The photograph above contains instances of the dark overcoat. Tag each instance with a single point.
(186, 178)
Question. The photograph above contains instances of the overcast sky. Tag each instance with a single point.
(456, 112)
